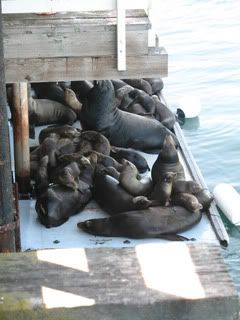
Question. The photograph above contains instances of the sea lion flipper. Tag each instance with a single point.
(174, 237)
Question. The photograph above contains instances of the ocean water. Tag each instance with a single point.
(202, 38)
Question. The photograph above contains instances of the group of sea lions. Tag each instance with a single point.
(71, 166)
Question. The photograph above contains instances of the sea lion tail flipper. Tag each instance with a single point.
(175, 237)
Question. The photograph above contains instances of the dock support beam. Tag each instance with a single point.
(7, 226)
(21, 136)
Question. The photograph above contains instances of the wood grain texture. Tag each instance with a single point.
(167, 281)
(154, 64)
(72, 34)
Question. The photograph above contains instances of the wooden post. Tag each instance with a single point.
(21, 136)
(7, 226)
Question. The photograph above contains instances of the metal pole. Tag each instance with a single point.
(7, 223)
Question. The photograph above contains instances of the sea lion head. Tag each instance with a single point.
(72, 100)
(96, 226)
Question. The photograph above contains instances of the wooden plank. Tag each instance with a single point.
(155, 64)
(68, 35)
(22, 6)
(175, 280)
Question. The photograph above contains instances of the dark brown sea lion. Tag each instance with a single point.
(112, 197)
(122, 129)
(122, 96)
(48, 90)
(131, 155)
(162, 190)
(144, 99)
(49, 147)
(131, 180)
(205, 198)
(81, 88)
(167, 161)
(44, 111)
(153, 222)
(58, 203)
(106, 161)
(90, 140)
(163, 113)
(140, 84)
(187, 200)
(186, 186)
(156, 84)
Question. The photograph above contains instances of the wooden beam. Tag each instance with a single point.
(183, 281)
(21, 136)
(155, 64)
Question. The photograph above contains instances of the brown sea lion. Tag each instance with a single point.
(186, 186)
(41, 175)
(187, 200)
(121, 128)
(131, 155)
(44, 111)
(112, 197)
(90, 140)
(162, 190)
(156, 84)
(163, 114)
(72, 101)
(58, 203)
(167, 161)
(81, 88)
(67, 176)
(64, 131)
(153, 222)
(48, 90)
(131, 180)
(140, 84)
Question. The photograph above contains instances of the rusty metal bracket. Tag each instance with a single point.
(9, 227)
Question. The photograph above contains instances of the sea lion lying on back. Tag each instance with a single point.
(153, 222)
(121, 128)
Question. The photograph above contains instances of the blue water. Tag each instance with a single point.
(202, 39)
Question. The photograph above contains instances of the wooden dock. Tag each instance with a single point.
(154, 281)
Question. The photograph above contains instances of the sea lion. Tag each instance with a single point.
(163, 113)
(117, 84)
(167, 161)
(153, 222)
(64, 131)
(156, 84)
(106, 161)
(67, 176)
(140, 84)
(144, 99)
(187, 200)
(90, 140)
(122, 97)
(81, 88)
(162, 190)
(205, 198)
(72, 101)
(186, 186)
(112, 197)
(49, 147)
(131, 155)
(48, 90)
(44, 111)
(58, 203)
(121, 128)
(41, 175)
(131, 180)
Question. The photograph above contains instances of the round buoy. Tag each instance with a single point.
(228, 200)
(190, 105)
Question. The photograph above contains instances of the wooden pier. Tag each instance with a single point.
(184, 281)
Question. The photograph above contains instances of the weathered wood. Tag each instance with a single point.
(170, 281)
(82, 68)
(21, 136)
(72, 34)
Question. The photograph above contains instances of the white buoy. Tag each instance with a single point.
(190, 105)
(228, 200)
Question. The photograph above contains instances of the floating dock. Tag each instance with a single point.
(92, 277)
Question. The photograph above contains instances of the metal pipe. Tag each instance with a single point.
(7, 227)
(21, 136)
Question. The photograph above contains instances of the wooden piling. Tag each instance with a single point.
(7, 225)
(21, 136)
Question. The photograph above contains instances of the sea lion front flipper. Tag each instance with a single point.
(174, 237)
